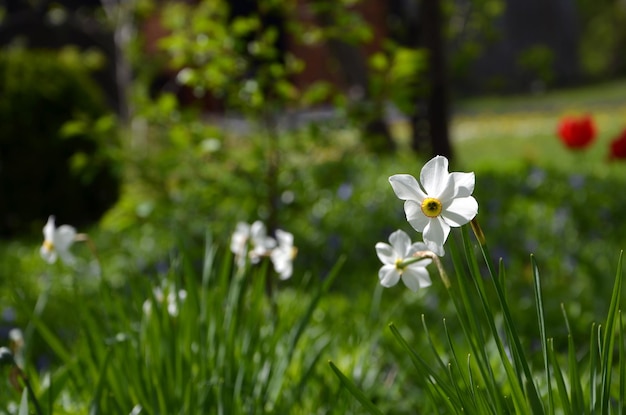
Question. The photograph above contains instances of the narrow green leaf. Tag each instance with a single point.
(24, 403)
(278, 375)
(510, 327)
(52, 340)
(471, 326)
(622, 366)
(468, 405)
(424, 369)
(608, 341)
(515, 379)
(442, 365)
(594, 347)
(542, 330)
(560, 381)
(577, 399)
(94, 407)
(355, 391)
(576, 390)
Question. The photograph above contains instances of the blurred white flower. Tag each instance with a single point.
(168, 296)
(282, 256)
(442, 201)
(57, 242)
(16, 343)
(399, 262)
(251, 241)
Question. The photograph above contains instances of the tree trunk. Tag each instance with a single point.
(437, 97)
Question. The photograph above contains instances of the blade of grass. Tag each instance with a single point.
(594, 347)
(276, 382)
(94, 407)
(518, 351)
(577, 399)
(426, 372)
(472, 329)
(515, 380)
(442, 365)
(622, 365)
(560, 381)
(468, 405)
(542, 330)
(355, 391)
(608, 341)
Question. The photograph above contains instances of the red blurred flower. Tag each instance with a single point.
(618, 147)
(577, 133)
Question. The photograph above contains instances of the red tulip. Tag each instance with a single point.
(577, 133)
(618, 147)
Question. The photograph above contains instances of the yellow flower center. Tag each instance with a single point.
(431, 207)
(48, 245)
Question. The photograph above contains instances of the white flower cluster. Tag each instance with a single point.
(251, 242)
(439, 201)
(165, 295)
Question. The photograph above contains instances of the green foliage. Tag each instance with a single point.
(538, 62)
(237, 59)
(397, 76)
(55, 141)
(603, 37)
(470, 27)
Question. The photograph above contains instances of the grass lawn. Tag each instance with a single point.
(500, 132)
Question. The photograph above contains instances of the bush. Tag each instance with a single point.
(52, 159)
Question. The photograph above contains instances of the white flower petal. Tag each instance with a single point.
(460, 211)
(64, 237)
(400, 242)
(284, 238)
(257, 230)
(415, 216)
(435, 234)
(416, 277)
(406, 187)
(48, 255)
(464, 183)
(48, 229)
(386, 254)
(282, 256)
(66, 256)
(447, 191)
(437, 249)
(417, 246)
(240, 239)
(434, 175)
(388, 276)
(284, 270)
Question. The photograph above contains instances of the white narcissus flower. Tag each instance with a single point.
(442, 201)
(399, 262)
(252, 241)
(57, 242)
(282, 256)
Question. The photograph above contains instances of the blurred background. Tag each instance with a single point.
(150, 123)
